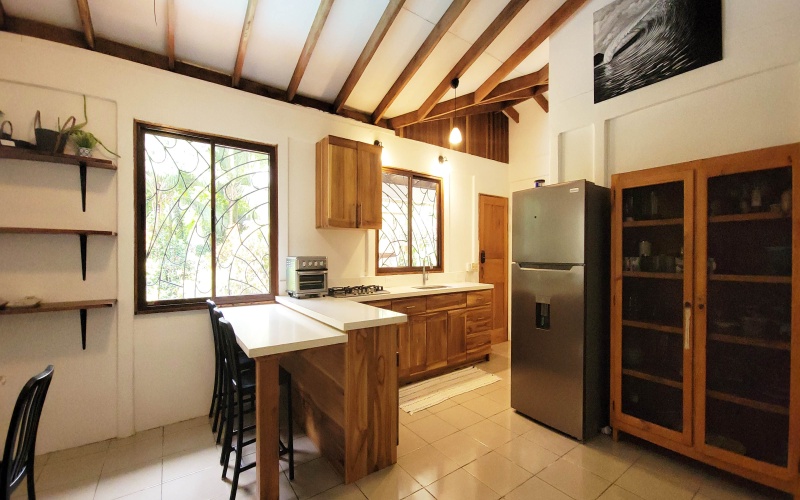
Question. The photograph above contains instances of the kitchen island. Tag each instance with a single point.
(345, 396)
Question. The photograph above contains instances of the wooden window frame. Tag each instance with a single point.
(141, 305)
(439, 229)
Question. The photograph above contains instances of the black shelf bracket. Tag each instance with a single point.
(83, 256)
(82, 167)
(83, 328)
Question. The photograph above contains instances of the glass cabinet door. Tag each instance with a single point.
(653, 245)
(746, 230)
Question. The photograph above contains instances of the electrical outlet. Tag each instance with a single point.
(474, 266)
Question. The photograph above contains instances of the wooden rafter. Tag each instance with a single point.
(520, 94)
(512, 113)
(516, 84)
(517, 88)
(171, 33)
(430, 43)
(74, 38)
(86, 21)
(559, 17)
(478, 109)
(2, 15)
(308, 48)
(372, 45)
(542, 101)
(246, 29)
(472, 55)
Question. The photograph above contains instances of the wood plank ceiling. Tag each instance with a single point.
(387, 62)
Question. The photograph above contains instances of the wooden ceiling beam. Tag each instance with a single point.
(521, 83)
(512, 113)
(559, 17)
(472, 55)
(74, 38)
(477, 109)
(542, 101)
(430, 43)
(171, 34)
(372, 45)
(520, 94)
(86, 21)
(246, 29)
(2, 15)
(308, 48)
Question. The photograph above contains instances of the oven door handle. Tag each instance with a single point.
(321, 271)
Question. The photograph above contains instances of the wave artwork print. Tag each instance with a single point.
(641, 42)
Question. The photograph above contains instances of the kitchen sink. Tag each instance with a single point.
(430, 287)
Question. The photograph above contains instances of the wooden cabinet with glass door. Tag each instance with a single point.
(651, 334)
(705, 357)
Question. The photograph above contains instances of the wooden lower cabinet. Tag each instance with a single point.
(443, 330)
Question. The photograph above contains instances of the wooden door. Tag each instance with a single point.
(337, 171)
(436, 340)
(652, 249)
(417, 344)
(493, 242)
(370, 189)
(747, 397)
(456, 336)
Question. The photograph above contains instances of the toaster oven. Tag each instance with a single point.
(306, 276)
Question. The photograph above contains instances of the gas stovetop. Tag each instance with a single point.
(355, 291)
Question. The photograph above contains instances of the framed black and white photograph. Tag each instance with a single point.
(641, 42)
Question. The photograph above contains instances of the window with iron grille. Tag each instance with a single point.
(206, 220)
(411, 234)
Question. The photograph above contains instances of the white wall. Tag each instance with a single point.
(144, 371)
(749, 100)
(529, 147)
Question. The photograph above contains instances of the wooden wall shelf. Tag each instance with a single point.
(82, 234)
(81, 161)
(78, 305)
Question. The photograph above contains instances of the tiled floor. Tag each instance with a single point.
(472, 446)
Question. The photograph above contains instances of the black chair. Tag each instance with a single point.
(241, 388)
(218, 396)
(20, 449)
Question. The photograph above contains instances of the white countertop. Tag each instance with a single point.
(400, 292)
(341, 314)
(267, 329)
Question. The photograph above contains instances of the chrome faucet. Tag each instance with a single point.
(424, 272)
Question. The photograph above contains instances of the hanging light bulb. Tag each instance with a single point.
(455, 134)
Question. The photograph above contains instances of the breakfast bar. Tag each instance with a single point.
(344, 370)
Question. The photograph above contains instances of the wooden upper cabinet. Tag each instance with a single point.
(348, 184)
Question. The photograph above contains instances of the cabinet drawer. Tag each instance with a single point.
(479, 342)
(479, 298)
(446, 301)
(414, 305)
(479, 320)
(381, 304)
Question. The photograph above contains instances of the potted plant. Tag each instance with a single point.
(84, 142)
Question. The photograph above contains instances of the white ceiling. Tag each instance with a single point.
(207, 34)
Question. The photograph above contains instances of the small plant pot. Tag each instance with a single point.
(51, 141)
(84, 151)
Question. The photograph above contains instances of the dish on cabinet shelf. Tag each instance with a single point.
(26, 302)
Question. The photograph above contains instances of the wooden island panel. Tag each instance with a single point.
(346, 399)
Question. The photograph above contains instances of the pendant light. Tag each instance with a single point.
(455, 134)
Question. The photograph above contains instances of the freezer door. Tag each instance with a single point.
(547, 353)
(548, 224)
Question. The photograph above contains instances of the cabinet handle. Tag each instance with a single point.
(687, 326)
(410, 307)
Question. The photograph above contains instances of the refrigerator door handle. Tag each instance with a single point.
(546, 267)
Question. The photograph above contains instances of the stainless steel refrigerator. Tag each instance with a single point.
(560, 306)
